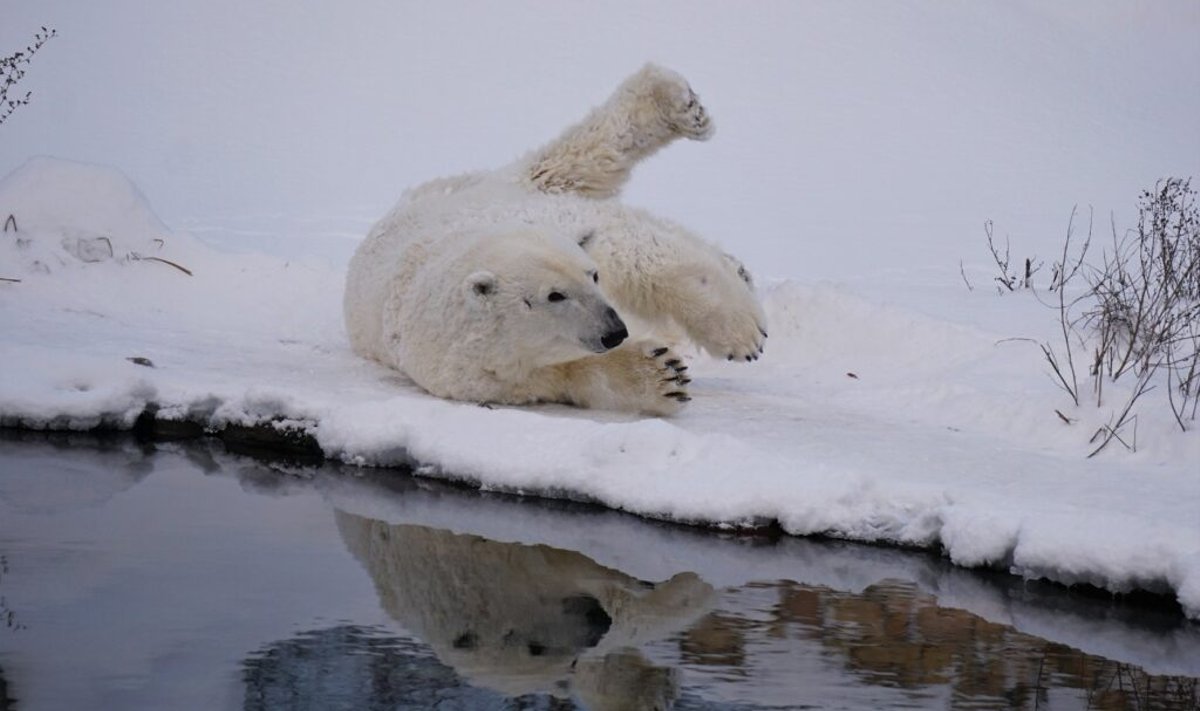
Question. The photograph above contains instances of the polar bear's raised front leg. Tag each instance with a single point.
(595, 157)
(635, 377)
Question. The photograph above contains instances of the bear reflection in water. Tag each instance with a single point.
(523, 619)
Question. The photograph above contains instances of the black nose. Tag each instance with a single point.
(616, 330)
(612, 339)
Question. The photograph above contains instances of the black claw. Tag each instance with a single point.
(676, 393)
(764, 333)
(681, 368)
(659, 351)
(730, 357)
(684, 398)
(683, 381)
(749, 358)
(673, 363)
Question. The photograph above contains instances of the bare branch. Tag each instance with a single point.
(137, 257)
(12, 70)
(1137, 317)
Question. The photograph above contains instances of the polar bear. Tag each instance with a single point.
(522, 619)
(520, 285)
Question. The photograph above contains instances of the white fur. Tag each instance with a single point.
(451, 287)
(594, 157)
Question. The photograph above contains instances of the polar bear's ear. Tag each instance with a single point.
(481, 284)
(585, 237)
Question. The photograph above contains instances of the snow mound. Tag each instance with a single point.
(61, 213)
(871, 419)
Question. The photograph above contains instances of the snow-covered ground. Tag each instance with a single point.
(859, 149)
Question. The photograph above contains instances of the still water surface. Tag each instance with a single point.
(185, 577)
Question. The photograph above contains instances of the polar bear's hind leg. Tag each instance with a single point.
(595, 157)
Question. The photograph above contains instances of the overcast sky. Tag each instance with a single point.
(850, 135)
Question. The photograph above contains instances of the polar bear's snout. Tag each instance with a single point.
(615, 332)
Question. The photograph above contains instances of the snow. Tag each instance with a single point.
(860, 150)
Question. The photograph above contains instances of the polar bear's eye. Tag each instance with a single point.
(595, 277)
(556, 296)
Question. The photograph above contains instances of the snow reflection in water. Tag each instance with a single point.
(184, 577)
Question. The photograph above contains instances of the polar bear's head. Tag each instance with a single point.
(544, 291)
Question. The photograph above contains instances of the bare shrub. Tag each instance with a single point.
(12, 70)
(1010, 277)
(1145, 312)
(1137, 318)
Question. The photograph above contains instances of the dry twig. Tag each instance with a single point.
(140, 258)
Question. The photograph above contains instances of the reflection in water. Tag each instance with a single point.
(7, 614)
(524, 619)
(140, 580)
(6, 701)
(520, 620)
(892, 635)
(43, 477)
(351, 667)
(888, 636)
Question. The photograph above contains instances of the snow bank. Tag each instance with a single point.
(904, 422)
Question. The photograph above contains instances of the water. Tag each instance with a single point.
(186, 577)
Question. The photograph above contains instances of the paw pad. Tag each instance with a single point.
(672, 379)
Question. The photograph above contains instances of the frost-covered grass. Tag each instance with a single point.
(892, 412)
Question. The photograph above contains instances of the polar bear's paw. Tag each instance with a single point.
(648, 378)
(681, 107)
(745, 341)
(669, 374)
(634, 377)
(728, 333)
(690, 118)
